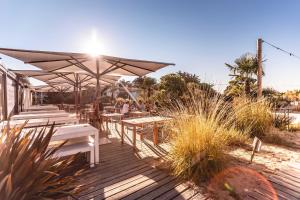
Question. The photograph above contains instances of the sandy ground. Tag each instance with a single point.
(240, 177)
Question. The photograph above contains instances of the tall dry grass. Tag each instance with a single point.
(201, 131)
(255, 116)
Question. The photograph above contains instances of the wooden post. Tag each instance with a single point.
(122, 132)
(4, 86)
(259, 70)
(155, 134)
(134, 137)
(17, 95)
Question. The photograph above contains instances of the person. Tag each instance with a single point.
(125, 108)
(133, 106)
(141, 106)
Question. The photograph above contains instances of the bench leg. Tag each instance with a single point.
(92, 157)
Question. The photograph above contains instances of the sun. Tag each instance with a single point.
(94, 46)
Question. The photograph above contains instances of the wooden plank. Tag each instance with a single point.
(286, 190)
(122, 185)
(187, 194)
(91, 184)
(291, 172)
(159, 191)
(149, 188)
(171, 194)
(288, 176)
(100, 184)
(112, 170)
(138, 186)
(200, 196)
(285, 182)
(259, 196)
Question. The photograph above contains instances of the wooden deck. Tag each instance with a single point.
(286, 184)
(123, 174)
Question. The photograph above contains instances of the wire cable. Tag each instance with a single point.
(280, 49)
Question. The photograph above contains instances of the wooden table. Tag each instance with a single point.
(106, 117)
(140, 122)
(138, 114)
(76, 131)
(111, 109)
(41, 115)
(41, 122)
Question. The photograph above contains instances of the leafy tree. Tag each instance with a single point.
(183, 85)
(146, 83)
(189, 78)
(173, 84)
(244, 72)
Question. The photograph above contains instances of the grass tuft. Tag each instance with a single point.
(202, 129)
(253, 116)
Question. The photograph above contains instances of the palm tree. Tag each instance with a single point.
(244, 71)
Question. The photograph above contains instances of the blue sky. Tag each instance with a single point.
(199, 36)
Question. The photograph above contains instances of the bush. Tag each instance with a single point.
(255, 116)
(282, 121)
(201, 131)
(28, 169)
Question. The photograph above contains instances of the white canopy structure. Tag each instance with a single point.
(54, 87)
(84, 63)
(80, 79)
(80, 67)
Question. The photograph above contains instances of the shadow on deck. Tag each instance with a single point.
(126, 174)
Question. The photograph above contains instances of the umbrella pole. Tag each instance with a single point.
(76, 93)
(97, 89)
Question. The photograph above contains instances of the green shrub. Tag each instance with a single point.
(255, 116)
(282, 121)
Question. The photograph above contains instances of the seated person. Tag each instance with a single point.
(125, 108)
(141, 106)
(133, 106)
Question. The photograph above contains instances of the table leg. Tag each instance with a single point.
(122, 132)
(134, 137)
(106, 120)
(155, 134)
(96, 143)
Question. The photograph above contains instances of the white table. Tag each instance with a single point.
(39, 107)
(41, 112)
(69, 132)
(76, 131)
(41, 122)
(41, 115)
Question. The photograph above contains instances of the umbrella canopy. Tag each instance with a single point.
(84, 79)
(84, 63)
(96, 67)
(53, 88)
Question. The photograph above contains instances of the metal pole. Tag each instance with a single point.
(76, 93)
(259, 70)
(97, 88)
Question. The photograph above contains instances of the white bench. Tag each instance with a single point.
(75, 148)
